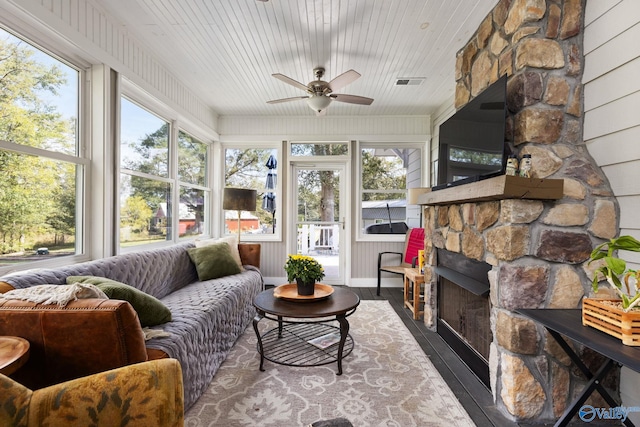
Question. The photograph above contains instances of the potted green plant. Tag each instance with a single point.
(622, 280)
(615, 317)
(305, 270)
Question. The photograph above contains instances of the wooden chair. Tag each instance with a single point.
(414, 241)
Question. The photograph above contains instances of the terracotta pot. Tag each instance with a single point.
(305, 288)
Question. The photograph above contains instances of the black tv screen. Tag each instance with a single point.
(472, 141)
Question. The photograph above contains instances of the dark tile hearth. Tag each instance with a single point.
(471, 392)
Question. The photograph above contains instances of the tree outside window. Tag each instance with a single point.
(247, 168)
(38, 189)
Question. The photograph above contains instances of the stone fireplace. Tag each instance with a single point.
(536, 248)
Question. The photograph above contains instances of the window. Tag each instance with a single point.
(253, 168)
(145, 190)
(41, 167)
(385, 175)
(304, 149)
(151, 193)
(192, 174)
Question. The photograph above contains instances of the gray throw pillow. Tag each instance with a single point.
(213, 261)
(151, 311)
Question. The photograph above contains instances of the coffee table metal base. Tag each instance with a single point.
(291, 346)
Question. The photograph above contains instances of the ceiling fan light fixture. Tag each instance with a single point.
(318, 102)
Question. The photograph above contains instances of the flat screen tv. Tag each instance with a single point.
(473, 145)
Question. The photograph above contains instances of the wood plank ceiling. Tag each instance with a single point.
(227, 50)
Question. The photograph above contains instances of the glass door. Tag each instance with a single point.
(319, 219)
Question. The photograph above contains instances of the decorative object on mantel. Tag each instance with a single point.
(620, 317)
(305, 270)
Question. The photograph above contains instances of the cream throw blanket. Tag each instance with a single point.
(55, 294)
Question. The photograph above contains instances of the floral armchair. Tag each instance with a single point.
(143, 394)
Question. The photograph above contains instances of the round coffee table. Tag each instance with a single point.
(304, 336)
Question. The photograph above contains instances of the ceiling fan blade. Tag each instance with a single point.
(290, 81)
(278, 101)
(351, 99)
(343, 79)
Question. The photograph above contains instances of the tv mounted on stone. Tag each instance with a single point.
(472, 142)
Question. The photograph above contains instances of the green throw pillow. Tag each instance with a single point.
(151, 311)
(213, 261)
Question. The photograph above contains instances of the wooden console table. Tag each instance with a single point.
(560, 322)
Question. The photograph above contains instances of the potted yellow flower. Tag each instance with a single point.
(305, 270)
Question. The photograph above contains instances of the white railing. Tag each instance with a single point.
(315, 238)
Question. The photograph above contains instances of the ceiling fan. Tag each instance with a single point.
(320, 93)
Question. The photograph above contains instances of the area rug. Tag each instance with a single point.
(387, 380)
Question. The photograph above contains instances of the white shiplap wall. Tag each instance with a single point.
(612, 121)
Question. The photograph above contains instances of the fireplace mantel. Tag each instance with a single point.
(496, 188)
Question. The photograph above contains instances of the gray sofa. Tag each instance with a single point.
(207, 317)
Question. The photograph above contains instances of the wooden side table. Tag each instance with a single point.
(413, 281)
(14, 352)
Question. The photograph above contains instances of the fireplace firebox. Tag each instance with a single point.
(463, 309)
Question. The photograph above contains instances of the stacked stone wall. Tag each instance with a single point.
(538, 249)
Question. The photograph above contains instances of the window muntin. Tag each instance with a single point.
(247, 168)
(385, 175)
(39, 155)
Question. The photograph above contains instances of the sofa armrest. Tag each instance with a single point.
(149, 394)
(84, 337)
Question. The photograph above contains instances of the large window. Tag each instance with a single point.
(41, 168)
(152, 193)
(253, 168)
(385, 175)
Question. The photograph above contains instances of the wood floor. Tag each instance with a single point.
(471, 393)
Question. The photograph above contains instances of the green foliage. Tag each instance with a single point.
(304, 268)
(615, 270)
(381, 173)
(32, 191)
(136, 213)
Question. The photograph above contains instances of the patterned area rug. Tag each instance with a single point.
(387, 381)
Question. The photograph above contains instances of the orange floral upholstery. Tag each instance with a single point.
(143, 394)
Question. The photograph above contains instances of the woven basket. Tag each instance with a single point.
(600, 314)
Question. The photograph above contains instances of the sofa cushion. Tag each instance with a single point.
(151, 311)
(213, 261)
(232, 241)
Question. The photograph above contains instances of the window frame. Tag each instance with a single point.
(359, 146)
(81, 159)
(176, 124)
